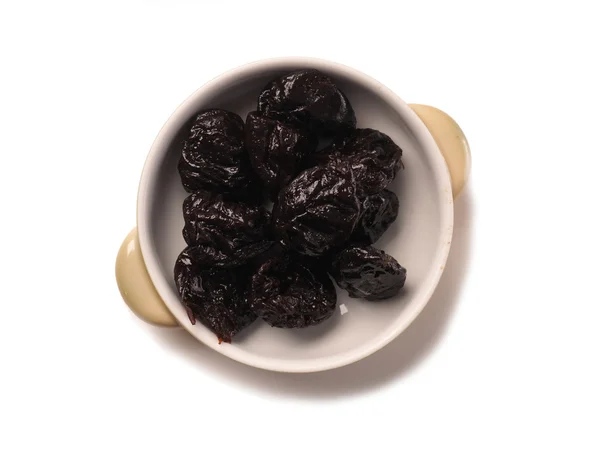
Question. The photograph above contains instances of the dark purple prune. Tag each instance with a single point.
(318, 210)
(366, 272)
(222, 232)
(276, 150)
(288, 293)
(308, 98)
(379, 211)
(213, 155)
(217, 298)
(374, 156)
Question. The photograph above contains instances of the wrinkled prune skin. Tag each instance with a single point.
(379, 211)
(210, 256)
(213, 155)
(318, 210)
(222, 232)
(374, 156)
(367, 272)
(288, 293)
(276, 150)
(308, 98)
(217, 298)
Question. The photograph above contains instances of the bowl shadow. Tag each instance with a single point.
(390, 363)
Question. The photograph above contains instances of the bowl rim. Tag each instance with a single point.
(151, 169)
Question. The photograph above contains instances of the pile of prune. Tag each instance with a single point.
(244, 262)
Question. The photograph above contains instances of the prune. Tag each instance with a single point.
(213, 155)
(287, 293)
(308, 98)
(218, 298)
(318, 210)
(379, 211)
(222, 232)
(366, 272)
(374, 156)
(276, 150)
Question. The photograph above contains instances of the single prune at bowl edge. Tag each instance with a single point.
(378, 212)
(288, 293)
(375, 158)
(308, 98)
(217, 298)
(367, 272)
(222, 232)
(276, 150)
(213, 155)
(318, 210)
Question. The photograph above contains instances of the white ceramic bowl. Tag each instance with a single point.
(420, 238)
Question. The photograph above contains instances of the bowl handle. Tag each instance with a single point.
(451, 141)
(135, 285)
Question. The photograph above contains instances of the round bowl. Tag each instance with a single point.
(420, 238)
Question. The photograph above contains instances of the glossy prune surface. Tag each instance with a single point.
(217, 298)
(276, 150)
(310, 99)
(318, 210)
(374, 156)
(367, 272)
(213, 155)
(289, 292)
(379, 211)
(222, 232)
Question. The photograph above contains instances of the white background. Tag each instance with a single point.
(506, 355)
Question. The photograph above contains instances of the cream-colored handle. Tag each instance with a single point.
(451, 141)
(136, 287)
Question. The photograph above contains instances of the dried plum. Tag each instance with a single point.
(213, 155)
(374, 156)
(276, 150)
(217, 298)
(318, 210)
(222, 232)
(287, 293)
(379, 211)
(308, 98)
(367, 272)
